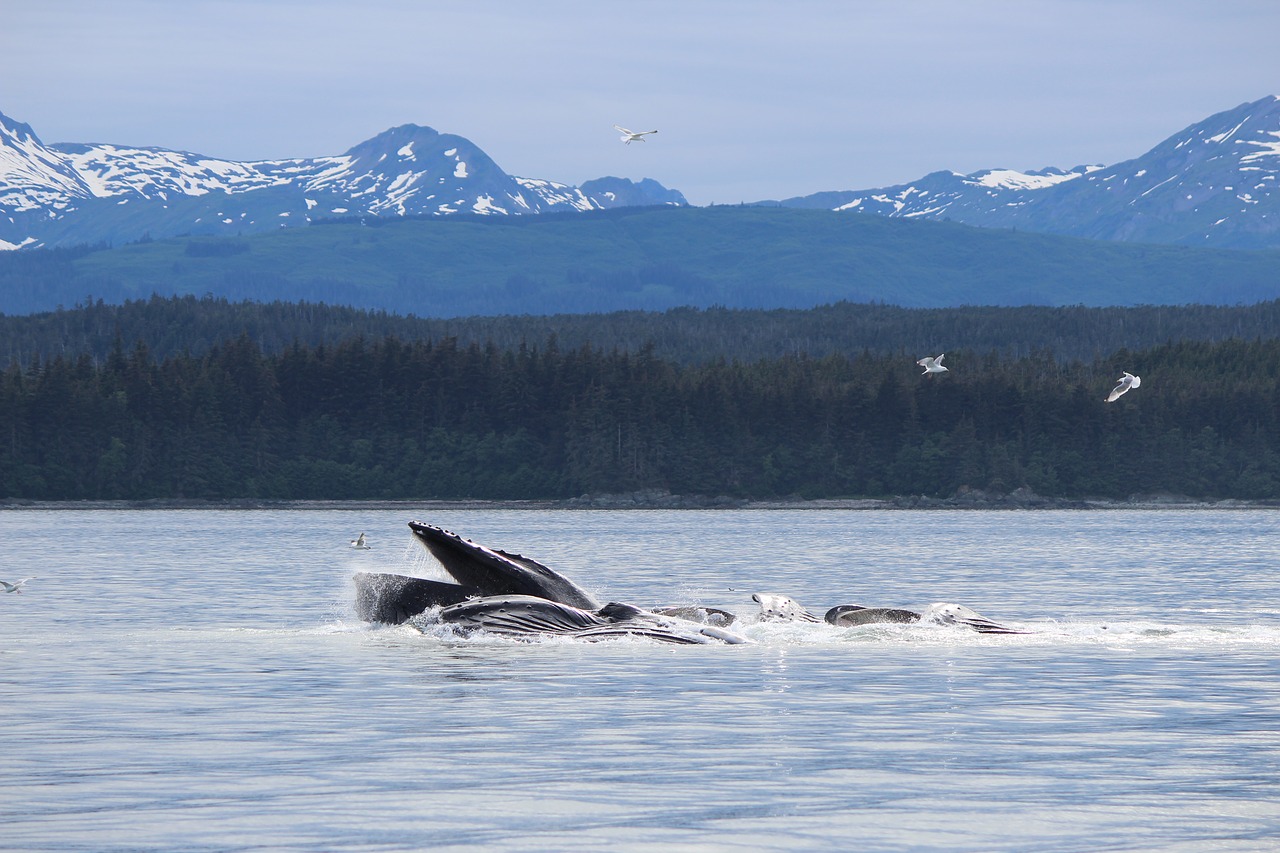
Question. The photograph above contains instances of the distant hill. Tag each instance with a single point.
(73, 193)
(1211, 184)
(647, 259)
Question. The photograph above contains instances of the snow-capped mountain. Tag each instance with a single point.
(1212, 184)
(75, 193)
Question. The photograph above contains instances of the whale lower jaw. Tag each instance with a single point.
(529, 617)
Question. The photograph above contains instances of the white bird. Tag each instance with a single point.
(358, 542)
(630, 136)
(1127, 382)
(15, 587)
(932, 365)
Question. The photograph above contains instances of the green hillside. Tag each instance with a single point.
(645, 259)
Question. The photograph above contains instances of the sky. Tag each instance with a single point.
(753, 99)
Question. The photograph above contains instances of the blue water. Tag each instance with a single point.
(196, 681)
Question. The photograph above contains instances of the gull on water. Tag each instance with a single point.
(932, 365)
(359, 542)
(630, 136)
(1127, 382)
(15, 587)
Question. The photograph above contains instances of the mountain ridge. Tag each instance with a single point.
(1214, 183)
(81, 193)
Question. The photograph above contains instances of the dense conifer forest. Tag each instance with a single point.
(175, 325)
(388, 418)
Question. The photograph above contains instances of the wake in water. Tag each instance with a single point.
(487, 595)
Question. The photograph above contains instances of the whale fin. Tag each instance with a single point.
(782, 608)
(958, 614)
(713, 616)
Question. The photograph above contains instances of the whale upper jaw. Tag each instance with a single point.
(498, 572)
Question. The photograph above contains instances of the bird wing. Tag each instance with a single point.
(622, 129)
(938, 360)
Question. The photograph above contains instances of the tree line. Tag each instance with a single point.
(172, 325)
(387, 418)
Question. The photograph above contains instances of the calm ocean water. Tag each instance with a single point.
(196, 681)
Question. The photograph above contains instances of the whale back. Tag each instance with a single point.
(851, 615)
(496, 572)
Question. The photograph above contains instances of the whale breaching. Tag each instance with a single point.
(497, 592)
(500, 593)
(1127, 383)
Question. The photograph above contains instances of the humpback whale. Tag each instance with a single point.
(497, 592)
(507, 594)
(525, 615)
(781, 607)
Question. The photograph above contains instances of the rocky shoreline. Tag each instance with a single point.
(964, 499)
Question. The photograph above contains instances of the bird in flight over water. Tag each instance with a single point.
(932, 365)
(630, 136)
(16, 586)
(1127, 382)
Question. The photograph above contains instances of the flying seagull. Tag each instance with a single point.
(1127, 382)
(15, 587)
(359, 542)
(932, 365)
(630, 136)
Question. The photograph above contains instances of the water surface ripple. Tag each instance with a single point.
(195, 680)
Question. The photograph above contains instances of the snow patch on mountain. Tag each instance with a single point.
(1213, 183)
(54, 194)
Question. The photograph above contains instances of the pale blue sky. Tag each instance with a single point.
(753, 99)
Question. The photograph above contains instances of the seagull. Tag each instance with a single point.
(932, 365)
(630, 136)
(358, 542)
(15, 587)
(1126, 382)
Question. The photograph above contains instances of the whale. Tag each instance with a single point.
(506, 594)
(498, 572)
(527, 616)
(775, 607)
